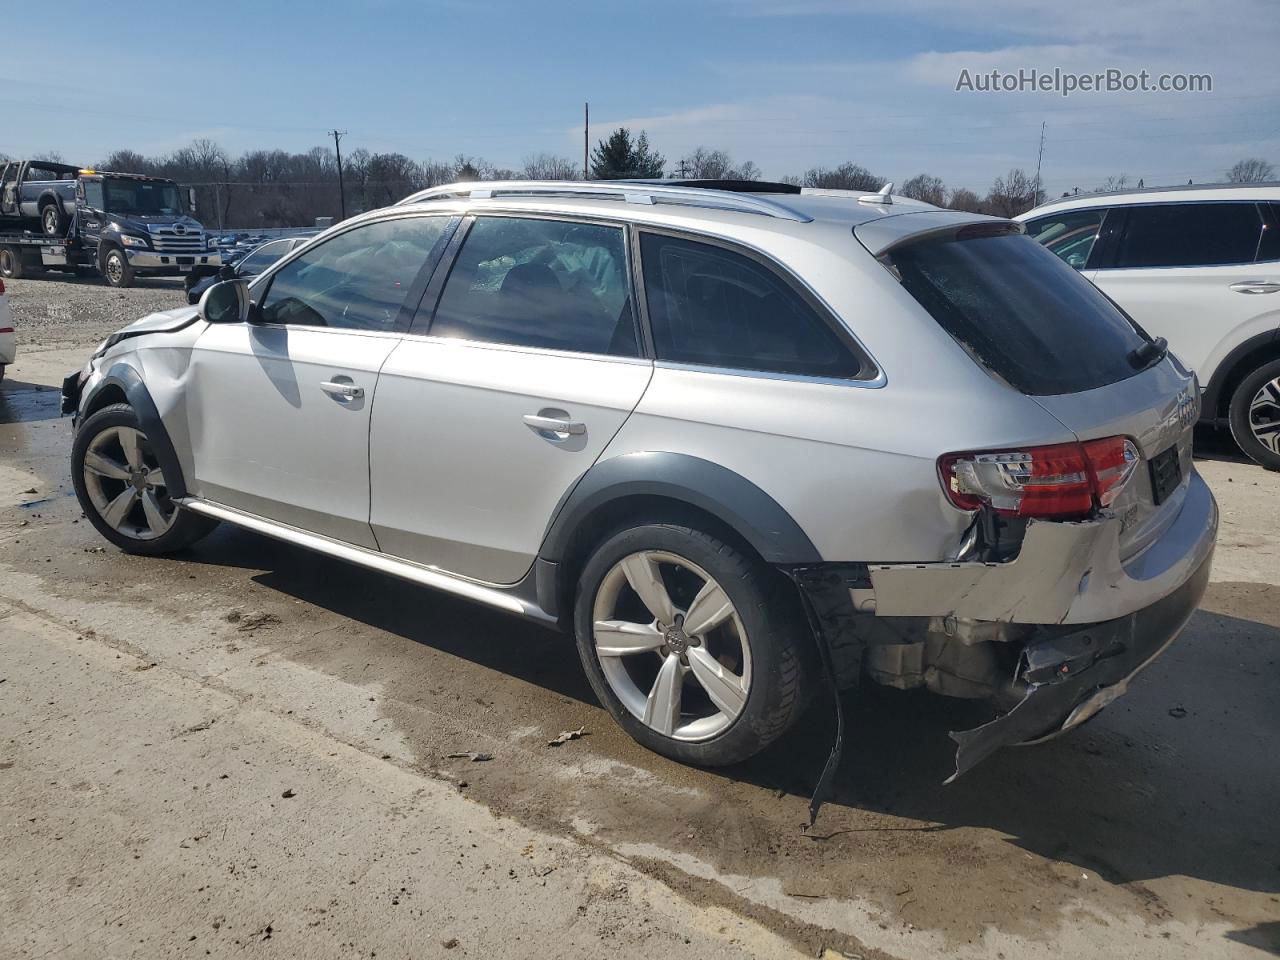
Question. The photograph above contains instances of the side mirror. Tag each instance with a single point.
(191, 198)
(226, 302)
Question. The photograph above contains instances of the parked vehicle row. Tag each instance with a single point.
(731, 440)
(1199, 266)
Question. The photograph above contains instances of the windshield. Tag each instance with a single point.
(1020, 311)
(143, 198)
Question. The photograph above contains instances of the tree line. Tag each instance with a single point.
(276, 188)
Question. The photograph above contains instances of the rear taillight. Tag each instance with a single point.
(1063, 480)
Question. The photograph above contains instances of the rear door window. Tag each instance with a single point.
(714, 307)
(1269, 245)
(1189, 235)
(1020, 311)
(1069, 235)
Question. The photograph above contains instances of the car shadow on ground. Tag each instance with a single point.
(1172, 780)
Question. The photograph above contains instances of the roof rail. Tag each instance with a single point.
(628, 191)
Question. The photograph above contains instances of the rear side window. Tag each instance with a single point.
(714, 307)
(1070, 235)
(552, 284)
(1189, 235)
(1020, 311)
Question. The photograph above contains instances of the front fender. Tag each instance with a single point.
(123, 376)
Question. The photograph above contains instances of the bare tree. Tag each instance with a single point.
(962, 198)
(1251, 170)
(1013, 194)
(704, 164)
(926, 188)
(548, 166)
(847, 176)
(1114, 183)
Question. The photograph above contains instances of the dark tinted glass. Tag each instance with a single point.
(93, 194)
(1189, 235)
(357, 280)
(714, 307)
(1269, 247)
(1020, 311)
(1069, 235)
(540, 283)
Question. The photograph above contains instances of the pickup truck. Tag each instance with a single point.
(120, 224)
(38, 192)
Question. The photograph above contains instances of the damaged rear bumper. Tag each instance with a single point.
(1049, 638)
(1074, 675)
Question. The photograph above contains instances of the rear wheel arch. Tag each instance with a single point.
(1238, 364)
(663, 488)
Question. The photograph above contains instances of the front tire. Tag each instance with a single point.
(1255, 415)
(116, 268)
(122, 489)
(694, 647)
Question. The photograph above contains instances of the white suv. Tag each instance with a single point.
(1199, 266)
(736, 440)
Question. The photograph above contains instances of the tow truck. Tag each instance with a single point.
(122, 225)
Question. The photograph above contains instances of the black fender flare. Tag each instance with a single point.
(126, 378)
(51, 196)
(1212, 399)
(728, 496)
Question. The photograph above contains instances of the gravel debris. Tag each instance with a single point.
(60, 310)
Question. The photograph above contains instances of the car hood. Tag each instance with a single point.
(165, 321)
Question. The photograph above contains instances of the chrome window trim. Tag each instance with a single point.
(880, 380)
(520, 348)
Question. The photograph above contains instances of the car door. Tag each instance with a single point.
(279, 408)
(520, 367)
(1187, 272)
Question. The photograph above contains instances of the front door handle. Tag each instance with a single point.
(1256, 286)
(555, 424)
(347, 391)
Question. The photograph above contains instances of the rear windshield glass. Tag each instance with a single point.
(1020, 311)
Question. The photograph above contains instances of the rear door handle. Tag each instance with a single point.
(555, 424)
(348, 391)
(1256, 286)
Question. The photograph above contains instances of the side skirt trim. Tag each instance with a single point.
(404, 569)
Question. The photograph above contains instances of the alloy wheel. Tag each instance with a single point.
(126, 485)
(1264, 415)
(671, 645)
(50, 220)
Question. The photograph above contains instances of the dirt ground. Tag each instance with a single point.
(247, 747)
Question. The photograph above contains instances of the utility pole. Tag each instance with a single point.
(342, 190)
(1039, 160)
(586, 122)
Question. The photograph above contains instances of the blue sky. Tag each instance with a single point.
(787, 85)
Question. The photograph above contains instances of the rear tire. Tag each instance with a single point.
(116, 268)
(720, 693)
(11, 264)
(1255, 415)
(122, 490)
(52, 220)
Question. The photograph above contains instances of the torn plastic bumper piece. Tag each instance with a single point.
(1071, 677)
